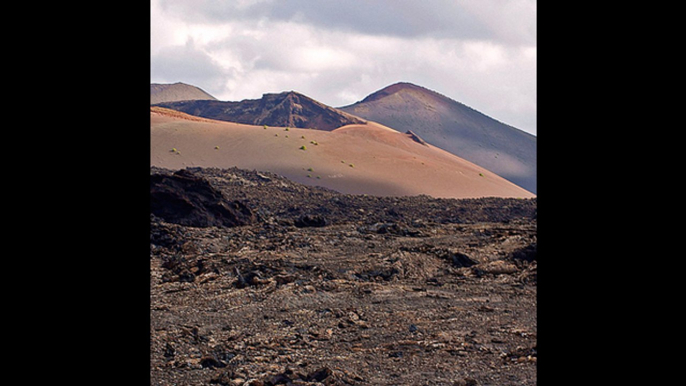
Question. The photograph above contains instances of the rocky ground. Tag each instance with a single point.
(256, 280)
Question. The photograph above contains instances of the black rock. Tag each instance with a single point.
(210, 361)
(186, 199)
(310, 221)
(527, 253)
(460, 260)
(319, 375)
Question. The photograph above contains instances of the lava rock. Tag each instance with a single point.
(528, 253)
(211, 361)
(319, 375)
(186, 199)
(460, 260)
(310, 221)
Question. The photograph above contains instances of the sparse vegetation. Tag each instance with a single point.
(264, 127)
(303, 147)
(351, 165)
(310, 169)
(288, 129)
(216, 148)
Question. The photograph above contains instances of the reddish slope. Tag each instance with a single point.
(360, 159)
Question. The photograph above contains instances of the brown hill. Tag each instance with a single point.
(360, 158)
(452, 126)
(286, 109)
(176, 92)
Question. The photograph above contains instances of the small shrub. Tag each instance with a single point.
(303, 147)
(264, 127)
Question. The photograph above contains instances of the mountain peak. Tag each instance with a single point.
(172, 92)
(392, 89)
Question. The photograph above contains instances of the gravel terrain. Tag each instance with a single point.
(257, 280)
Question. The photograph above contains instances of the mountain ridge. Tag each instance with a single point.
(287, 109)
(426, 115)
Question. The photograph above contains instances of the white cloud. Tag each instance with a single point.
(189, 64)
(239, 50)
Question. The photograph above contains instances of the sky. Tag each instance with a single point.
(481, 53)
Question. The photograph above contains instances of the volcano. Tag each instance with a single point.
(454, 127)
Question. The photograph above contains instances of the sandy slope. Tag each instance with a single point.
(371, 158)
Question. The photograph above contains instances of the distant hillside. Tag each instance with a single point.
(452, 126)
(286, 109)
(176, 92)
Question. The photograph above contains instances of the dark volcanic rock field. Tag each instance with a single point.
(256, 280)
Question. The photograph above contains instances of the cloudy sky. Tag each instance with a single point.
(479, 52)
